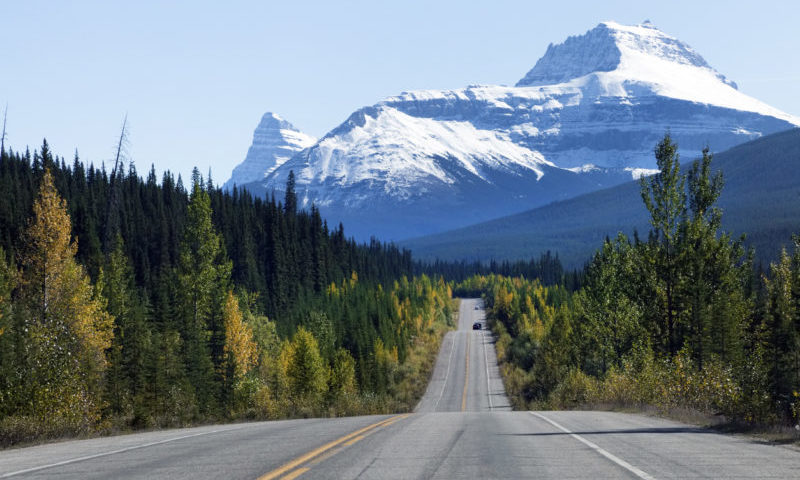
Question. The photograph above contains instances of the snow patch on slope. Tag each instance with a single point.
(638, 173)
(589, 167)
(401, 150)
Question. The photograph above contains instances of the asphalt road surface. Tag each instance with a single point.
(462, 428)
(466, 377)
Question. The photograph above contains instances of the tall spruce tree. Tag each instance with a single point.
(306, 369)
(664, 195)
(204, 277)
(290, 198)
(126, 376)
(781, 330)
(715, 299)
(611, 316)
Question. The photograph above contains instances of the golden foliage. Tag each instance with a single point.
(69, 327)
(57, 282)
(239, 343)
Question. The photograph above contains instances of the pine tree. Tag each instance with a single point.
(611, 317)
(321, 327)
(717, 307)
(664, 196)
(204, 277)
(306, 370)
(782, 327)
(126, 381)
(290, 199)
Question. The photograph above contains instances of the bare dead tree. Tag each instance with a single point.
(112, 214)
(3, 137)
(121, 144)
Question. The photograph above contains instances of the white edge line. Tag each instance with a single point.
(447, 375)
(488, 385)
(622, 463)
(113, 452)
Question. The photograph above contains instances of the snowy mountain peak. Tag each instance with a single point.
(272, 120)
(409, 153)
(585, 117)
(612, 46)
(274, 141)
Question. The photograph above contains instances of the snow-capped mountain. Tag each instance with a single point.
(274, 141)
(587, 116)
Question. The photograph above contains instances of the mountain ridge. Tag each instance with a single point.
(417, 162)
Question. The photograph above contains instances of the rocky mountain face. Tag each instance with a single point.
(274, 141)
(587, 116)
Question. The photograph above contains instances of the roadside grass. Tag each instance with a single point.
(658, 389)
(771, 433)
(759, 432)
(766, 432)
(21, 431)
(415, 374)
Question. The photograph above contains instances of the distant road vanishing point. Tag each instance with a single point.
(462, 428)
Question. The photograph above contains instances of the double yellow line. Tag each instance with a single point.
(466, 376)
(290, 468)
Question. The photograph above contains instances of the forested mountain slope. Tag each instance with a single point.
(760, 198)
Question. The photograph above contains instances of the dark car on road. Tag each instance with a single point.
(477, 326)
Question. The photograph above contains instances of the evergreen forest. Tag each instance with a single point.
(682, 320)
(130, 302)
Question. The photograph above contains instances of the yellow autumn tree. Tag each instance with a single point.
(240, 348)
(68, 327)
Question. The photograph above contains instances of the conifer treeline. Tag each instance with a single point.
(679, 320)
(547, 269)
(280, 252)
(125, 302)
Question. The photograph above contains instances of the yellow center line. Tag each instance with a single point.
(394, 420)
(317, 451)
(354, 440)
(296, 473)
(466, 379)
(334, 451)
(364, 435)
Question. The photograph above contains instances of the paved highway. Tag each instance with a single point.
(466, 377)
(462, 428)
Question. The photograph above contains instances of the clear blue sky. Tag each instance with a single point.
(195, 77)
